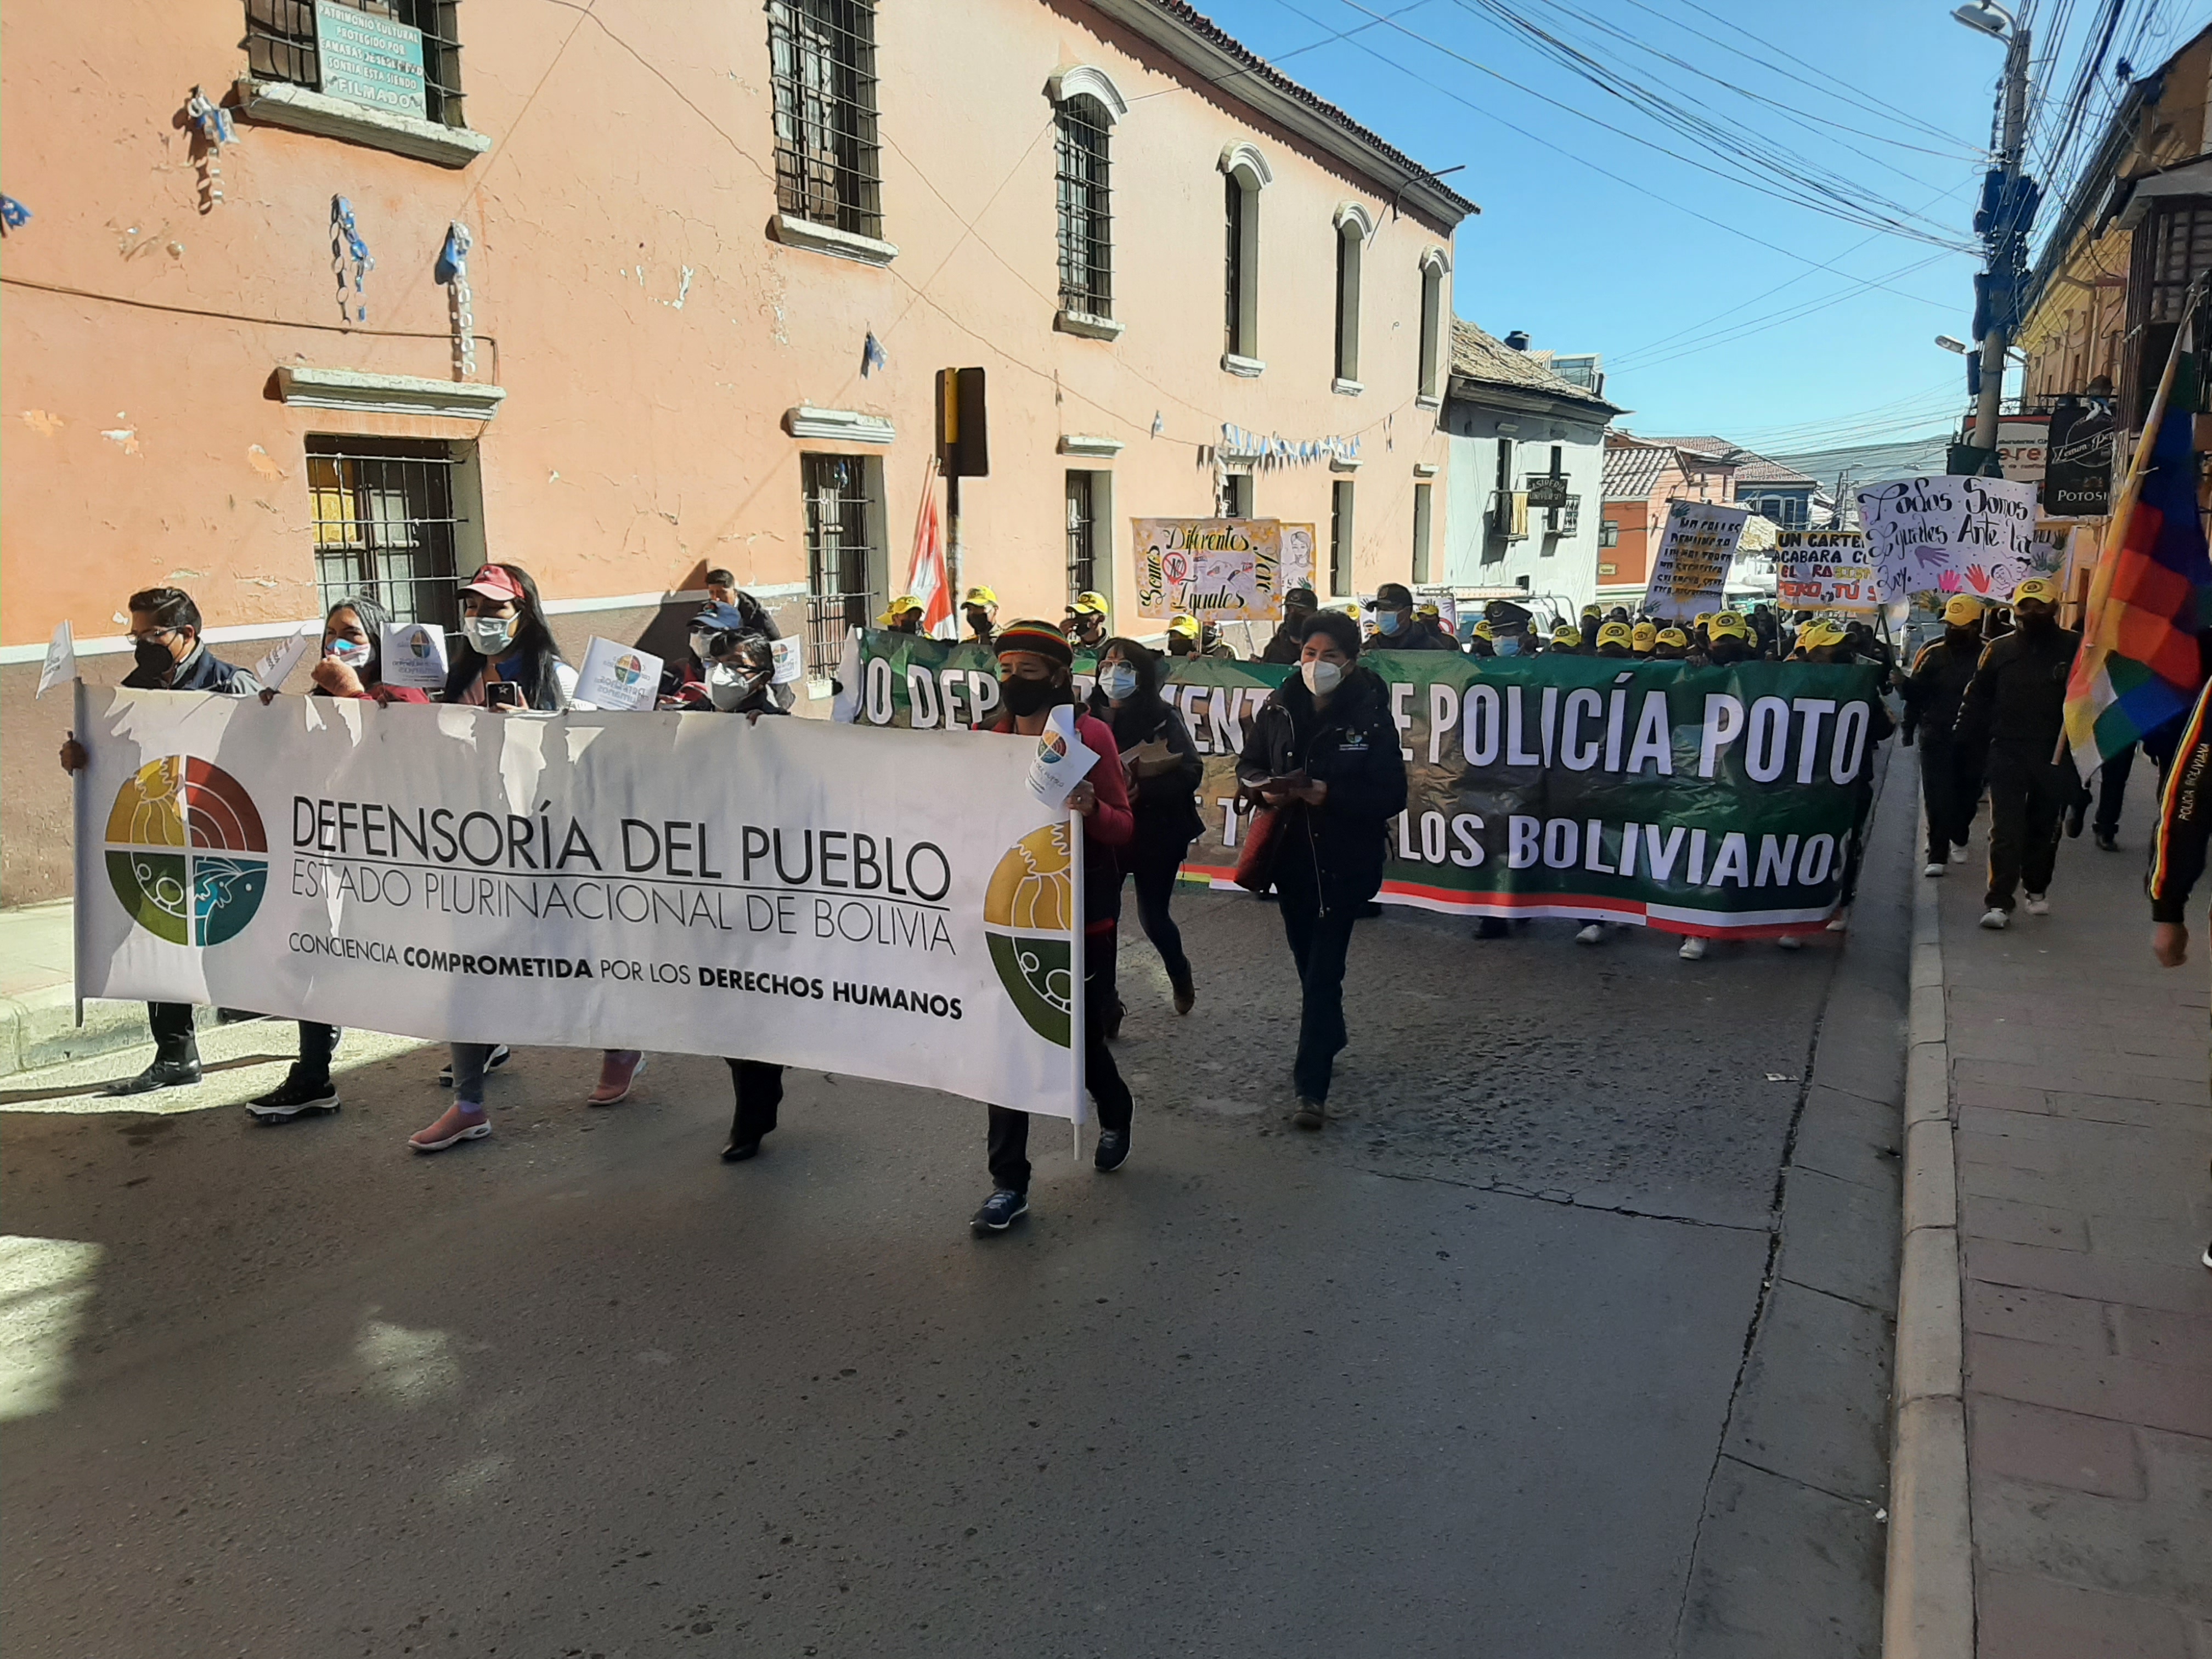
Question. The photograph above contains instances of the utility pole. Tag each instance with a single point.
(2005, 211)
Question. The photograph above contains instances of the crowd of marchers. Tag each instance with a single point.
(1321, 775)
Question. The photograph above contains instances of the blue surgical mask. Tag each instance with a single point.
(1507, 646)
(354, 653)
(490, 634)
(1389, 620)
(1118, 680)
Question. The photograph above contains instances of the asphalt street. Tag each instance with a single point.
(1452, 1378)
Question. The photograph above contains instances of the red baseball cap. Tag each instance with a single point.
(494, 583)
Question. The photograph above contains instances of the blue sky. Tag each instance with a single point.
(1680, 305)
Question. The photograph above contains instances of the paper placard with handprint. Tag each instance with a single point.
(1216, 569)
(1950, 535)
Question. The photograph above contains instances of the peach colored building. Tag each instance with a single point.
(717, 254)
(1641, 475)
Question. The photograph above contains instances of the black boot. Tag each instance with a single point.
(179, 1073)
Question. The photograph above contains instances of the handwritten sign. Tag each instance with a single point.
(1690, 571)
(1216, 569)
(1823, 570)
(1950, 534)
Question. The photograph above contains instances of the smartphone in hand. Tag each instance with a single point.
(502, 694)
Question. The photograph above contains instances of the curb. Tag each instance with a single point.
(38, 1029)
(1928, 1597)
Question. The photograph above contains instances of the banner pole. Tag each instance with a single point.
(78, 723)
(1077, 1030)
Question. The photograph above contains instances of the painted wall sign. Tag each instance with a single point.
(369, 59)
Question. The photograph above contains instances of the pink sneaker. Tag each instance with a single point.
(463, 1121)
(618, 1069)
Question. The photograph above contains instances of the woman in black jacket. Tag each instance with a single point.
(1323, 755)
(1163, 769)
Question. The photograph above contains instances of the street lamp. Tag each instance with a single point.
(1986, 17)
(2006, 238)
(1950, 345)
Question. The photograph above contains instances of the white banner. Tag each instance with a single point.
(1950, 534)
(1825, 570)
(831, 898)
(1690, 571)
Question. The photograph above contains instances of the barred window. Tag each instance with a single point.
(840, 559)
(1082, 536)
(2181, 250)
(822, 60)
(280, 45)
(386, 524)
(1086, 218)
(1340, 539)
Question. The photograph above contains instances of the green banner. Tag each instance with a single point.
(1697, 800)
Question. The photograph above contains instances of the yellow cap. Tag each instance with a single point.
(1703, 617)
(2037, 587)
(1566, 634)
(898, 607)
(1615, 633)
(1673, 636)
(981, 596)
(1961, 609)
(1644, 635)
(1186, 626)
(1728, 622)
(1482, 631)
(1814, 635)
(1428, 608)
(1592, 611)
(1087, 600)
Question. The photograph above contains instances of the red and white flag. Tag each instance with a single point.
(927, 580)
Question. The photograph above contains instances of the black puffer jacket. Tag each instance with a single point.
(1351, 746)
(1936, 688)
(1165, 804)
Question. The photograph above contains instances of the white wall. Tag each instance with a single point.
(1564, 566)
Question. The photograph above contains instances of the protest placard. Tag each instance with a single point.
(1063, 759)
(790, 660)
(618, 676)
(874, 904)
(415, 655)
(1298, 555)
(276, 665)
(1689, 573)
(1950, 534)
(1215, 569)
(1823, 570)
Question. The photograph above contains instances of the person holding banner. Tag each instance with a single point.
(1163, 775)
(980, 609)
(1282, 646)
(168, 656)
(1085, 626)
(507, 660)
(2011, 719)
(352, 665)
(1036, 676)
(902, 614)
(1950, 779)
(1324, 761)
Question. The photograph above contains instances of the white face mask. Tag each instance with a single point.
(1117, 680)
(728, 687)
(490, 634)
(354, 653)
(1322, 677)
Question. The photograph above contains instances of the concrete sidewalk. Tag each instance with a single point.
(2079, 1093)
(38, 997)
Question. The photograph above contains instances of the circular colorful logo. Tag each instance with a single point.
(187, 853)
(1029, 917)
(419, 643)
(628, 669)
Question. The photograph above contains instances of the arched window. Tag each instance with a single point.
(1086, 104)
(1434, 267)
(1354, 228)
(1247, 174)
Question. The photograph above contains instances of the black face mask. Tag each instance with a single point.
(1963, 640)
(1024, 697)
(153, 656)
(2035, 622)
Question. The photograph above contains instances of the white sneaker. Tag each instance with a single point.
(1693, 948)
(1936, 869)
(1592, 934)
(1789, 942)
(1996, 920)
(1958, 855)
(1841, 921)
(2036, 905)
